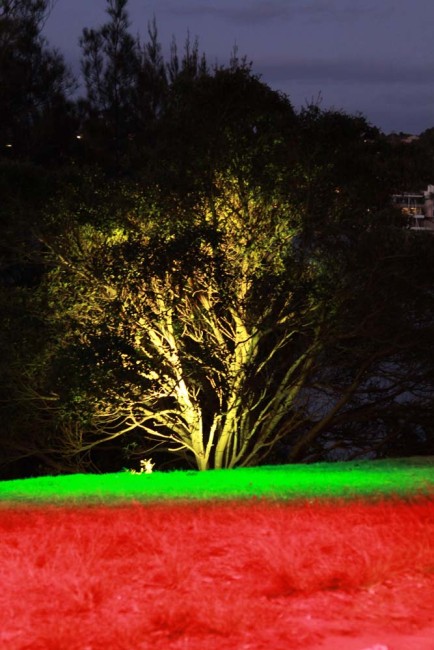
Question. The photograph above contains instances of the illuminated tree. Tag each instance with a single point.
(198, 326)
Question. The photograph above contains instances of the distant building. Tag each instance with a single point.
(418, 207)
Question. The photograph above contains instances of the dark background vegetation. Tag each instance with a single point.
(145, 127)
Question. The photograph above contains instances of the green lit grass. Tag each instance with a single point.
(381, 478)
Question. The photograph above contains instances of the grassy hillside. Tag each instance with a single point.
(402, 477)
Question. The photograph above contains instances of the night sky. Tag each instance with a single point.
(375, 57)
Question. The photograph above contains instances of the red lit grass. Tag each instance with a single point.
(227, 576)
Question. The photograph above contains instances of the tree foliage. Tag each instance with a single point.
(35, 114)
(110, 66)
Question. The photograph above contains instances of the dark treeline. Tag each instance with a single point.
(194, 271)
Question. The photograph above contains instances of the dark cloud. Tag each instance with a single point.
(253, 12)
(345, 72)
(260, 11)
